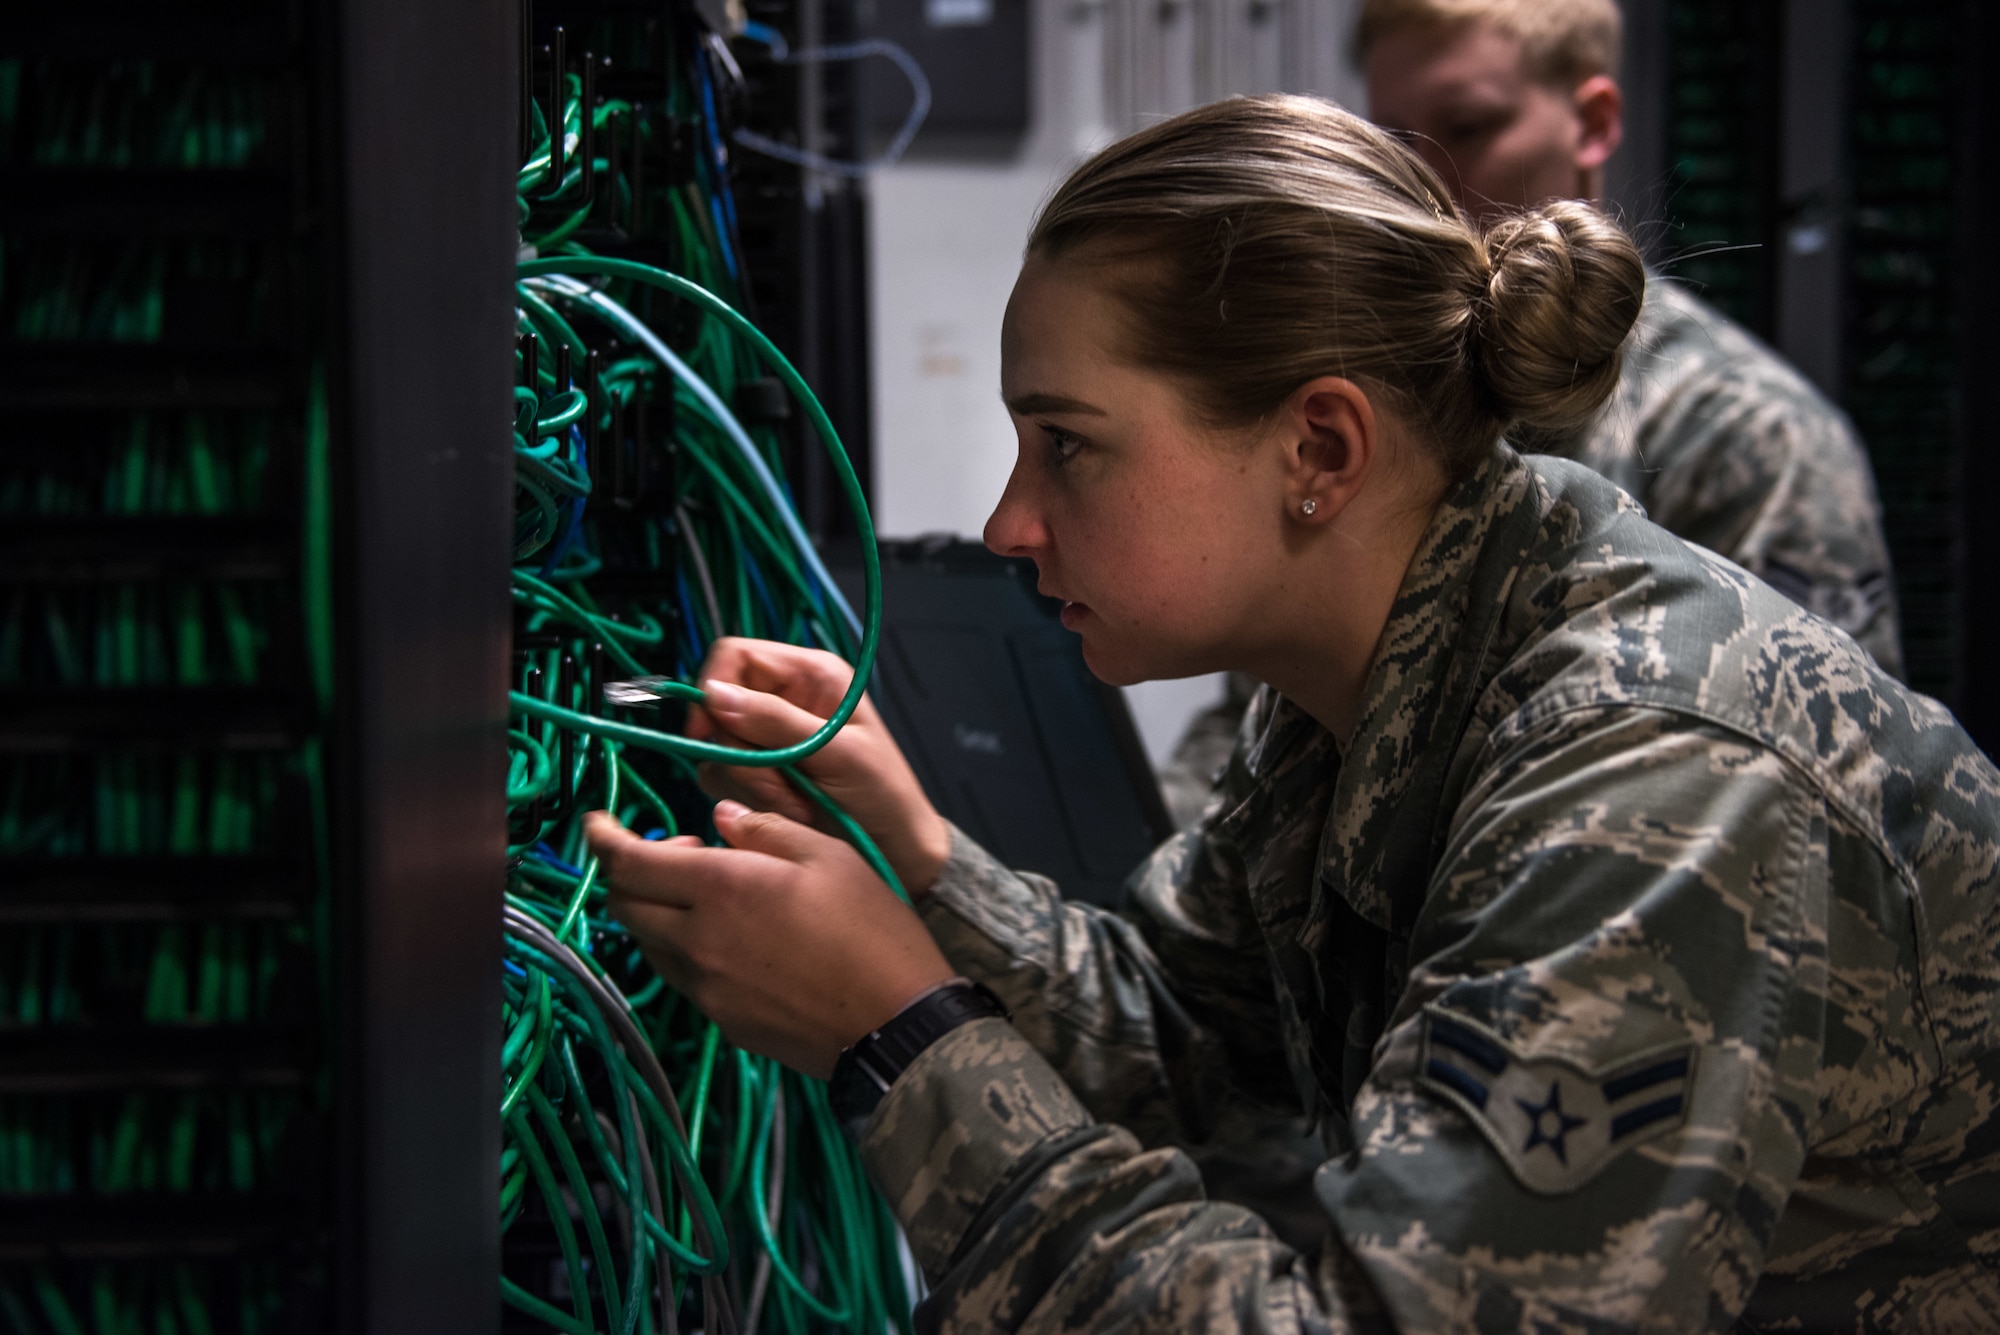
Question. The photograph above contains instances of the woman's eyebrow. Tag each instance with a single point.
(1028, 405)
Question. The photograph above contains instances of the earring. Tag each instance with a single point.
(1310, 506)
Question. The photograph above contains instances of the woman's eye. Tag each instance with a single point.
(1063, 443)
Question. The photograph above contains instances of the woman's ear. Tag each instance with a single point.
(1333, 445)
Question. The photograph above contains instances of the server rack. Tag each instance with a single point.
(341, 320)
(1723, 63)
(1978, 394)
(1904, 314)
(253, 695)
(1826, 185)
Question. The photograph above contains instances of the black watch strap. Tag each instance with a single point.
(865, 1071)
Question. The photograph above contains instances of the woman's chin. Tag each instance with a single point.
(1115, 665)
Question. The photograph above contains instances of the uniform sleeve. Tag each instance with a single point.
(1587, 1114)
(1153, 1016)
(1770, 475)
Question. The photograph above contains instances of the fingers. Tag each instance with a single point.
(609, 842)
(772, 835)
(761, 789)
(659, 931)
(678, 873)
(683, 873)
(812, 679)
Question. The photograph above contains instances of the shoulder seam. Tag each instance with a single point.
(1854, 819)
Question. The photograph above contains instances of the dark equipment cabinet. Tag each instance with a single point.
(253, 638)
(256, 259)
(977, 55)
(1009, 733)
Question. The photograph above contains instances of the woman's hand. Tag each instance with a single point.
(785, 939)
(762, 694)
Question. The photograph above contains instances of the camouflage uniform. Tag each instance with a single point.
(1640, 958)
(1725, 445)
(1204, 750)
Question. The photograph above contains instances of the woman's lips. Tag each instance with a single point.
(1073, 614)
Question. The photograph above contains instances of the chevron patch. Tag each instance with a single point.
(1555, 1123)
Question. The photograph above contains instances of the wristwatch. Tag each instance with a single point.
(866, 1070)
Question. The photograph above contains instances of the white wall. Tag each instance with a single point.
(946, 240)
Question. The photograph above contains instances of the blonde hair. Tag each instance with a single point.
(1257, 243)
(1563, 42)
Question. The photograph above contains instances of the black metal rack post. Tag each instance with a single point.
(426, 160)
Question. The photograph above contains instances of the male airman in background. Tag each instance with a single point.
(1515, 102)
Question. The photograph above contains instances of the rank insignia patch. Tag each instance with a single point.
(1555, 1123)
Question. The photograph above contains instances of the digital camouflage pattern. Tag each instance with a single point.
(1729, 447)
(1726, 446)
(1203, 751)
(1620, 830)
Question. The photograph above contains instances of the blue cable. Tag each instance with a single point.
(687, 614)
(718, 165)
(549, 856)
(573, 523)
(717, 412)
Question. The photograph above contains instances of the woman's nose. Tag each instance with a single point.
(1015, 527)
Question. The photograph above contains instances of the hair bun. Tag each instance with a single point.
(1563, 289)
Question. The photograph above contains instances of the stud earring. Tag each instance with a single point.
(1310, 506)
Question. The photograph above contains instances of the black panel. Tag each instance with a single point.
(805, 238)
(1011, 736)
(1905, 318)
(1978, 47)
(975, 54)
(1722, 152)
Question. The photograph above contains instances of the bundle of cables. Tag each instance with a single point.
(680, 1180)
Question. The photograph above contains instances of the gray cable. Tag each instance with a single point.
(715, 1298)
(774, 1197)
(920, 102)
(700, 560)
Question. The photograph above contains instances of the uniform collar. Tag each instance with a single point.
(1379, 842)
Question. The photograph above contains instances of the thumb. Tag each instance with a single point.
(769, 833)
(609, 840)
